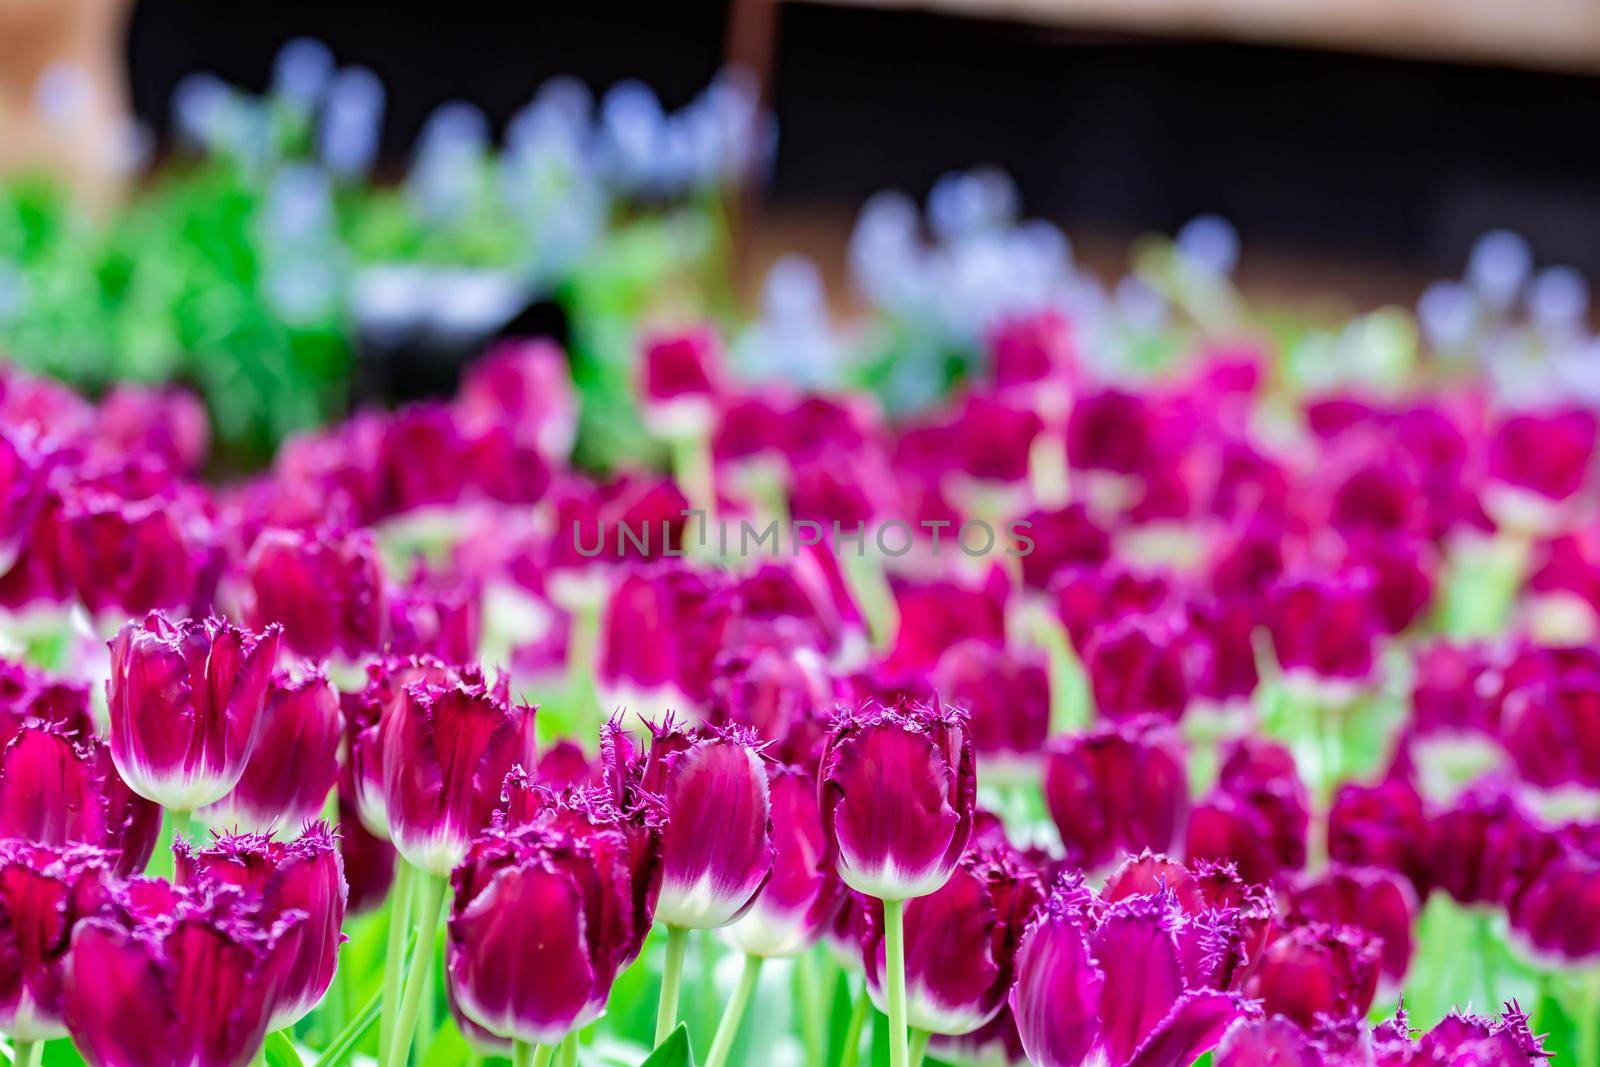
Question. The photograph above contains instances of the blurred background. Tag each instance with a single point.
(1358, 147)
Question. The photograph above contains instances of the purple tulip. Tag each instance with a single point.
(1258, 815)
(1032, 350)
(324, 587)
(1382, 825)
(961, 943)
(679, 377)
(201, 969)
(135, 555)
(435, 615)
(1458, 1039)
(24, 469)
(662, 630)
(800, 901)
(422, 459)
(303, 877)
(58, 783)
(295, 763)
(164, 422)
(1110, 987)
(1007, 699)
(1377, 901)
(1120, 788)
(781, 694)
(937, 615)
(1088, 598)
(540, 925)
(186, 704)
(1323, 628)
(1318, 971)
(1544, 454)
(1228, 677)
(44, 892)
(717, 851)
(1063, 539)
(369, 860)
(898, 794)
(526, 385)
(446, 751)
(1143, 665)
(1484, 848)
(1555, 916)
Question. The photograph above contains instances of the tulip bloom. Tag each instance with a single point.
(1318, 971)
(177, 976)
(1377, 901)
(446, 752)
(296, 761)
(301, 877)
(1143, 664)
(1381, 825)
(898, 795)
(1007, 697)
(186, 703)
(1555, 917)
(526, 385)
(324, 587)
(804, 893)
(1111, 989)
(961, 943)
(1120, 788)
(662, 629)
(369, 860)
(44, 891)
(129, 556)
(541, 923)
(1257, 816)
(678, 383)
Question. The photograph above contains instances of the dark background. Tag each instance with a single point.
(1399, 161)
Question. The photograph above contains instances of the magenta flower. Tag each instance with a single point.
(898, 793)
(781, 694)
(369, 860)
(1062, 538)
(1323, 628)
(296, 760)
(1457, 1039)
(717, 850)
(961, 943)
(662, 630)
(1032, 350)
(1225, 626)
(133, 556)
(436, 615)
(324, 587)
(186, 703)
(936, 615)
(163, 422)
(1546, 454)
(1555, 916)
(679, 381)
(447, 749)
(59, 785)
(526, 385)
(1381, 825)
(1110, 988)
(23, 491)
(303, 877)
(1120, 788)
(201, 969)
(800, 900)
(1378, 901)
(1007, 698)
(422, 459)
(1112, 431)
(1482, 849)
(1318, 972)
(1088, 598)
(44, 892)
(1143, 665)
(1258, 815)
(540, 925)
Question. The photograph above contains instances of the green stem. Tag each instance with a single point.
(567, 1054)
(430, 900)
(1488, 967)
(526, 1055)
(394, 960)
(851, 1053)
(919, 1046)
(728, 1028)
(1589, 1019)
(894, 937)
(27, 1053)
(343, 1045)
(671, 978)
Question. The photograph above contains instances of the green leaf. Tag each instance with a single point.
(342, 1047)
(673, 1052)
(280, 1051)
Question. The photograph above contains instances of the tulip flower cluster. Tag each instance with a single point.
(1084, 718)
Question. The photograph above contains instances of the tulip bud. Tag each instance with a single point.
(295, 763)
(1143, 664)
(325, 588)
(1484, 848)
(1376, 901)
(1323, 629)
(898, 791)
(446, 752)
(800, 900)
(44, 891)
(186, 705)
(1110, 988)
(717, 850)
(1007, 699)
(1064, 540)
(1088, 598)
(1544, 456)
(936, 615)
(422, 459)
(961, 943)
(1317, 972)
(679, 382)
(200, 969)
(540, 925)
(1120, 788)
(300, 877)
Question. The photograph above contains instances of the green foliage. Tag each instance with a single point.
(673, 1052)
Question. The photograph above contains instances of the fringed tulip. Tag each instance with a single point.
(1109, 988)
(799, 902)
(717, 851)
(1382, 825)
(128, 556)
(1257, 816)
(1119, 788)
(540, 925)
(1319, 971)
(303, 877)
(526, 385)
(961, 943)
(446, 752)
(186, 703)
(662, 629)
(1062, 539)
(1378, 901)
(44, 892)
(898, 793)
(186, 977)
(1555, 916)
(1323, 630)
(1007, 698)
(369, 860)
(1143, 665)
(324, 587)
(436, 615)
(937, 615)
(295, 763)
